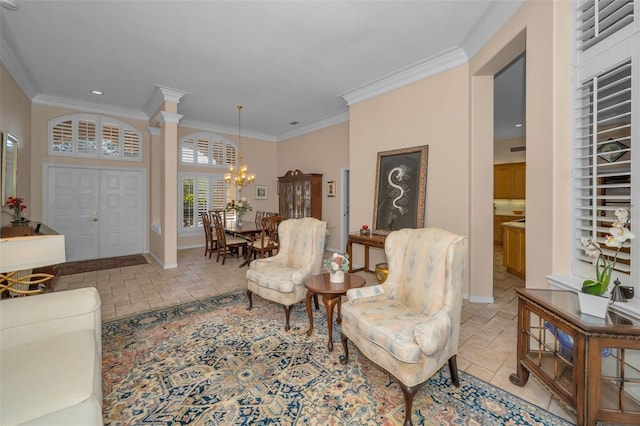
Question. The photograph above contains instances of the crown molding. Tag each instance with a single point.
(209, 127)
(486, 27)
(329, 121)
(62, 102)
(433, 65)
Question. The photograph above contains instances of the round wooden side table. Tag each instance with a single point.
(331, 295)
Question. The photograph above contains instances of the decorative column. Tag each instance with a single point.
(169, 187)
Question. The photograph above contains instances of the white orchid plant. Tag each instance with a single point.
(240, 206)
(618, 235)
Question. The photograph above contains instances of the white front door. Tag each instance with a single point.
(99, 211)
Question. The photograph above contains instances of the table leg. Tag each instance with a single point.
(309, 312)
(329, 302)
(350, 254)
(339, 317)
(366, 259)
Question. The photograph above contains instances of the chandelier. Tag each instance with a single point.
(239, 176)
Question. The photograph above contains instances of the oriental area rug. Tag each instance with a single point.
(212, 362)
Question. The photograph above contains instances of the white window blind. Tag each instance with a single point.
(200, 193)
(78, 135)
(604, 159)
(599, 19)
(206, 149)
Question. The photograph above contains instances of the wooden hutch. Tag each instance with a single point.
(300, 195)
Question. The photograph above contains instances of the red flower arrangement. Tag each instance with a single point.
(16, 205)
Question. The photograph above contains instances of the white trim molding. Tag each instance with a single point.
(428, 67)
(164, 117)
(104, 109)
(329, 121)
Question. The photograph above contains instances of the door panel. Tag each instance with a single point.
(121, 213)
(73, 204)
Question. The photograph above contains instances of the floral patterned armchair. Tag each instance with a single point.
(410, 324)
(281, 278)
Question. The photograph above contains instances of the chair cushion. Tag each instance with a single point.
(387, 323)
(279, 278)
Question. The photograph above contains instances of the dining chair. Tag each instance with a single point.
(227, 244)
(259, 217)
(266, 243)
(211, 241)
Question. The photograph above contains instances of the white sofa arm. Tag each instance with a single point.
(366, 294)
(24, 319)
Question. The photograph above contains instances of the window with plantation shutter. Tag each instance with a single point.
(110, 140)
(599, 19)
(604, 157)
(200, 193)
(61, 137)
(206, 149)
(94, 136)
(606, 146)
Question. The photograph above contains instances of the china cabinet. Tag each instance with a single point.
(300, 195)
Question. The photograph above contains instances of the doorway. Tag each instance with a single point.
(509, 164)
(101, 212)
(344, 203)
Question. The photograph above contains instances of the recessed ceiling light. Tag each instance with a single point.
(97, 92)
(9, 4)
(518, 125)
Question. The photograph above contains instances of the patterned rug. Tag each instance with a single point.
(81, 266)
(212, 362)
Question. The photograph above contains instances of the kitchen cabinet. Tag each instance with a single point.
(514, 250)
(509, 181)
(498, 220)
(300, 195)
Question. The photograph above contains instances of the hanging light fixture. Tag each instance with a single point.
(239, 176)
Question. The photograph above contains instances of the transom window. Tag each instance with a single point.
(94, 136)
(207, 149)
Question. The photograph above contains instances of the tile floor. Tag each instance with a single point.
(488, 333)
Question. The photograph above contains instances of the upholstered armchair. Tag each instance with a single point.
(410, 324)
(281, 278)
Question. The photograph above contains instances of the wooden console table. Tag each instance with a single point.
(590, 363)
(376, 241)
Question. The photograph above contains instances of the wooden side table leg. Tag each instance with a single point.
(521, 376)
(310, 295)
(329, 302)
(350, 254)
(366, 258)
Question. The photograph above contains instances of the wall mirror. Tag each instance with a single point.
(9, 163)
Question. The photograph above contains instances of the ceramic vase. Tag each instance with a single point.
(336, 277)
(596, 306)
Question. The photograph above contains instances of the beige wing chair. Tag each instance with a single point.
(410, 324)
(281, 278)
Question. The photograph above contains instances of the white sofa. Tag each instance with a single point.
(51, 359)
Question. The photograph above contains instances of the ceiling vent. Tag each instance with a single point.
(518, 148)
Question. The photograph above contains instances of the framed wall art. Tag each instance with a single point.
(401, 181)
(262, 192)
(331, 188)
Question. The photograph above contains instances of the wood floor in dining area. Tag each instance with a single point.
(487, 339)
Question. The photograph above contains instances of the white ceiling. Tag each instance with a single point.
(284, 61)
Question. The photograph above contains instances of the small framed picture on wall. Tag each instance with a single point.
(262, 192)
(331, 188)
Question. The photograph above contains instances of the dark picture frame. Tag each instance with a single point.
(611, 151)
(401, 182)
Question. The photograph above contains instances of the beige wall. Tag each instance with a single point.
(324, 151)
(15, 118)
(430, 112)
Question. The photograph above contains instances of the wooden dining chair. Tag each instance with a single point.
(266, 243)
(259, 217)
(211, 241)
(227, 244)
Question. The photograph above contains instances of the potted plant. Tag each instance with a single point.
(16, 206)
(240, 206)
(604, 265)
